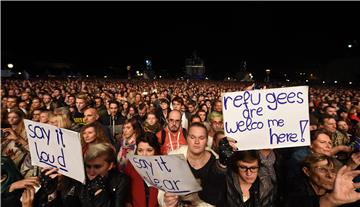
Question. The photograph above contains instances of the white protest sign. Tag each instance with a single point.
(60, 148)
(271, 118)
(169, 173)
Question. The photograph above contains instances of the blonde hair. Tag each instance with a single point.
(62, 121)
(100, 149)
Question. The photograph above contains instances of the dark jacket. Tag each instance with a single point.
(114, 192)
(234, 195)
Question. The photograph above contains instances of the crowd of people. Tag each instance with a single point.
(120, 118)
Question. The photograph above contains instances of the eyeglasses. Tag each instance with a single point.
(245, 169)
(217, 122)
(324, 170)
(96, 166)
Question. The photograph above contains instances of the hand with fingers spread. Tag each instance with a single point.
(171, 200)
(24, 183)
(344, 189)
(28, 197)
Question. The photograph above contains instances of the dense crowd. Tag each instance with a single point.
(120, 118)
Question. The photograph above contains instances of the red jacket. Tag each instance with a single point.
(137, 196)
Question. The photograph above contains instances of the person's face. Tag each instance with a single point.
(36, 115)
(90, 116)
(138, 98)
(89, 135)
(176, 105)
(131, 111)
(202, 116)
(44, 117)
(144, 149)
(54, 122)
(343, 126)
(322, 144)
(153, 99)
(217, 124)
(13, 119)
(321, 175)
(330, 125)
(35, 103)
(218, 106)
(11, 103)
(11, 92)
(97, 166)
(56, 93)
(191, 108)
(113, 108)
(24, 96)
(348, 105)
(22, 105)
(164, 105)
(248, 171)
(151, 119)
(331, 111)
(204, 107)
(344, 115)
(46, 99)
(128, 131)
(142, 112)
(80, 104)
(3, 101)
(98, 102)
(174, 121)
(197, 140)
(71, 100)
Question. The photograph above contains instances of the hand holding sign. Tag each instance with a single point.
(169, 173)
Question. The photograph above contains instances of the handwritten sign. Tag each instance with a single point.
(272, 118)
(60, 148)
(169, 173)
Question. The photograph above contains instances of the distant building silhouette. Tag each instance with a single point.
(194, 67)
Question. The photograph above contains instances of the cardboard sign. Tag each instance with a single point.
(169, 173)
(271, 118)
(55, 147)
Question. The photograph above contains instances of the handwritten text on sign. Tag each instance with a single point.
(51, 146)
(271, 118)
(169, 173)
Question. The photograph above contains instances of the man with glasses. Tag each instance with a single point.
(216, 124)
(319, 173)
(172, 137)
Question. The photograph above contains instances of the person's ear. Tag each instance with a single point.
(111, 166)
(306, 171)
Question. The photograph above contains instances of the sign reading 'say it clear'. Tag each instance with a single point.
(271, 118)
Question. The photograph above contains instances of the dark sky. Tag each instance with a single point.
(279, 35)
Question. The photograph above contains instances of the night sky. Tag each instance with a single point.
(283, 36)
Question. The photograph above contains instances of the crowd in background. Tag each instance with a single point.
(119, 118)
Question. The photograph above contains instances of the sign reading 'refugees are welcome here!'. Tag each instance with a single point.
(269, 118)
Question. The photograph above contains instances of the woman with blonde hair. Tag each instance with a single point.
(61, 121)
